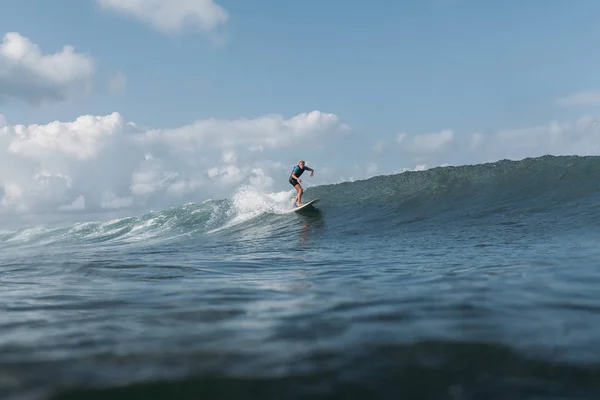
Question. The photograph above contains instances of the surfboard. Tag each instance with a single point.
(305, 205)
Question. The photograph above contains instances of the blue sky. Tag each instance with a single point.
(412, 85)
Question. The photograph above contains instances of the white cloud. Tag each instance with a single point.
(581, 98)
(103, 162)
(264, 132)
(152, 176)
(172, 15)
(26, 74)
(81, 139)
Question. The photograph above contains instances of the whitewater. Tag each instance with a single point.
(468, 282)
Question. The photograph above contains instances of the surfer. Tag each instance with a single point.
(295, 180)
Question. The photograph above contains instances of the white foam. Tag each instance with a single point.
(250, 202)
(106, 228)
(28, 234)
(143, 231)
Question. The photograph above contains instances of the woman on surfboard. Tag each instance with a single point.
(295, 179)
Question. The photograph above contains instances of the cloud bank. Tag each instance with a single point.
(171, 15)
(579, 137)
(104, 162)
(28, 75)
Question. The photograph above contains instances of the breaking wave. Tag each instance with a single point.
(549, 186)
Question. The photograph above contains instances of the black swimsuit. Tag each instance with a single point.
(298, 171)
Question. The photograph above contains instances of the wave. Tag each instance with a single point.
(550, 186)
(209, 217)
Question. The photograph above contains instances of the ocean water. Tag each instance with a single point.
(472, 282)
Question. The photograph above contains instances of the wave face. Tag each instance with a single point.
(551, 185)
(452, 283)
(548, 188)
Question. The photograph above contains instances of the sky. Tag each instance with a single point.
(136, 104)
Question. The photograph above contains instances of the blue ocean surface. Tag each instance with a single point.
(470, 282)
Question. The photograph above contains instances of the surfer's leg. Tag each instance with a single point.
(297, 186)
(299, 195)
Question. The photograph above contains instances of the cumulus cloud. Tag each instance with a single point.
(104, 162)
(172, 15)
(80, 139)
(27, 74)
(264, 132)
(152, 176)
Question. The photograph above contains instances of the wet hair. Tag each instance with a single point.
(301, 161)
